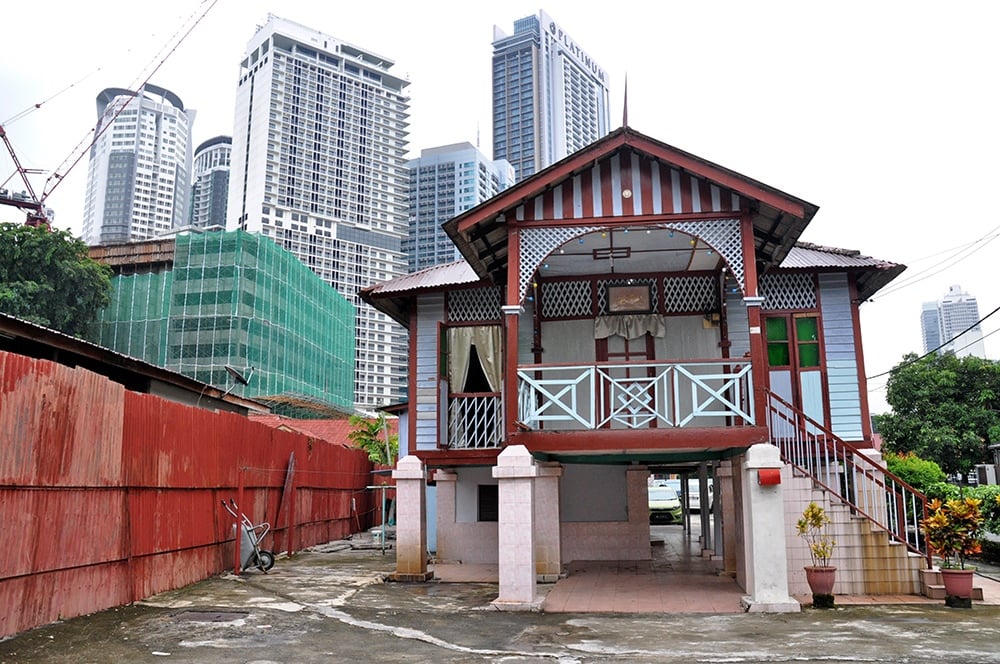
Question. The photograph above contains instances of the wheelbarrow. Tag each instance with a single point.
(251, 536)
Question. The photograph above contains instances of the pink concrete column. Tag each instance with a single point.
(764, 523)
(637, 483)
(411, 520)
(548, 530)
(515, 473)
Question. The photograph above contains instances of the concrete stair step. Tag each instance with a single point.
(935, 591)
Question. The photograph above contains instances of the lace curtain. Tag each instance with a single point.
(486, 339)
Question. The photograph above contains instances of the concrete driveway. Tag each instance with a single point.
(332, 605)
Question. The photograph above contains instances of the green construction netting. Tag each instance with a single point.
(239, 300)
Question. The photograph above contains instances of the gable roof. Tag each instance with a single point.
(588, 185)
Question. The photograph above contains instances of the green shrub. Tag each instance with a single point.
(918, 473)
(943, 491)
(990, 552)
(990, 495)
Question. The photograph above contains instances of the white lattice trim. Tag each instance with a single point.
(566, 299)
(724, 236)
(536, 244)
(788, 290)
(472, 304)
(696, 294)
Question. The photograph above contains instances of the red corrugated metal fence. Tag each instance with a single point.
(109, 496)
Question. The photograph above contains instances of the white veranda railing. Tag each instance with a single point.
(635, 395)
(475, 420)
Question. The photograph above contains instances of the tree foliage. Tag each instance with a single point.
(369, 434)
(944, 408)
(918, 473)
(46, 277)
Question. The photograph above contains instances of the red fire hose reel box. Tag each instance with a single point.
(769, 476)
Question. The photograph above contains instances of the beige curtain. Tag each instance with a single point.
(486, 339)
(630, 326)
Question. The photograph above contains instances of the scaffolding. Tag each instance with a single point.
(232, 299)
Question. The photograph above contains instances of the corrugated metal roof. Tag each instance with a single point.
(333, 431)
(447, 274)
(806, 255)
(26, 338)
(871, 274)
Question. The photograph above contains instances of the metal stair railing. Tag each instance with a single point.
(867, 488)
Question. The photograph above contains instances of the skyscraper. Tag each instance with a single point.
(137, 182)
(210, 188)
(549, 97)
(445, 181)
(319, 165)
(954, 322)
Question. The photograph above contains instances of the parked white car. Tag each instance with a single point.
(693, 495)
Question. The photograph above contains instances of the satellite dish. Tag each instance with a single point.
(237, 376)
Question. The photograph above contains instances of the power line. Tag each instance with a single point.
(934, 350)
(880, 388)
(56, 176)
(962, 252)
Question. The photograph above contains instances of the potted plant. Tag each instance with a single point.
(821, 575)
(954, 530)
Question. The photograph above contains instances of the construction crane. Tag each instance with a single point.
(35, 205)
(25, 199)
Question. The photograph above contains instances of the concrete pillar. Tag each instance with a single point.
(515, 473)
(637, 485)
(764, 520)
(446, 483)
(548, 523)
(411, 520)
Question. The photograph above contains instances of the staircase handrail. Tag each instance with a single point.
(870, 489)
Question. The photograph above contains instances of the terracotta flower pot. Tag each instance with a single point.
(821, 579)
(957, 582)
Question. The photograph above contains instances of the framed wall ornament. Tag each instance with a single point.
(636, 299)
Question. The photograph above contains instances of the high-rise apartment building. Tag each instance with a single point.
(319, 165)
(210, 186)
(444, 182)
(954, 322)
(550, 98)
(140, 163)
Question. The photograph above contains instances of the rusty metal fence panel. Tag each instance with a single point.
(113, 496)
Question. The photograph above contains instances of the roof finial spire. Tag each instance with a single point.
(625, 104)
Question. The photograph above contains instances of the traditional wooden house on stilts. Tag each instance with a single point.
(635, 309)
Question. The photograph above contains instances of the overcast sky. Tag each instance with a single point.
(883, 114)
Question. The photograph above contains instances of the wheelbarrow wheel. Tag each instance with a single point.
(265, 560)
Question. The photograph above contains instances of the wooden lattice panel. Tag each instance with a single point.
(699, 294)
(475, 304)
(788, 290)
(566, 299)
